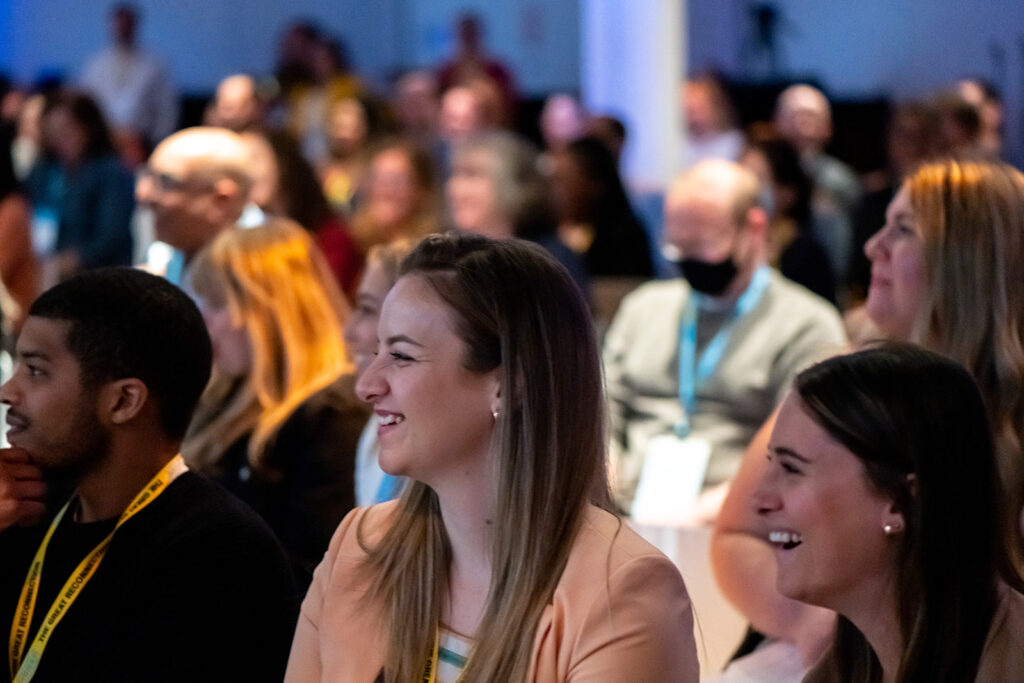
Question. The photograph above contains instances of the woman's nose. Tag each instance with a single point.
(371, 384)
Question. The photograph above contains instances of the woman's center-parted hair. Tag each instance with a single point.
(518, 311)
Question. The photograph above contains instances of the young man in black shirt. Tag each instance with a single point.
(146, 572)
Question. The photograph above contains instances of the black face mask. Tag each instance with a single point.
(709, 278)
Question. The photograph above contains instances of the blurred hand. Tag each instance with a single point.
(22, 489)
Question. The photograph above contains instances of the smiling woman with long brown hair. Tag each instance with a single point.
(501, 561)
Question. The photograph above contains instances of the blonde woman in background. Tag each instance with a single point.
(279, 423)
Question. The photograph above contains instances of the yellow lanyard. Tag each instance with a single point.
(22, 671)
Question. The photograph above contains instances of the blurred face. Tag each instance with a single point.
(561, 121)
(701, 227)
(51, 413)
(568, 187)
(823, 517)
(461, 114)
(434, 414)
(232, 349)
(236, 105)
(180, 202)
(392, 195)
(65, 135)
(264, 171)
(898, 270)
(473, 194)
(361, 329)
(347, 128)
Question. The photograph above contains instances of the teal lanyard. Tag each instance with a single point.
(693, 372)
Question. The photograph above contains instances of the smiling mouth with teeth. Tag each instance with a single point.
(785, 539)
(390, 419)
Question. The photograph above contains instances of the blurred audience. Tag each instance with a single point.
(595, 218)
(562, 120)
(353, 125)
(400, 196)
(310, 105)
(81, 193)
(787, 190)
(132, 86)
(496, 189)
(472, 63)
(803, 116)
(284, 184)
(20, 272)
(417, 106)
(237, 105)
(279, 422)
(711, 131)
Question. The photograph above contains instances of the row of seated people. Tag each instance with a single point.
(486, 387)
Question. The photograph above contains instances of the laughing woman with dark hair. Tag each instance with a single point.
(500, 563)
(882, 501)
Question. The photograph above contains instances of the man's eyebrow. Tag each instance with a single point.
(402, 338)
(33, 355)
(783, 450)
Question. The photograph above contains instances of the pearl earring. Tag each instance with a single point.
(891, 529)
(494, 414)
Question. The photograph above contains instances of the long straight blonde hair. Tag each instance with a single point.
(971, 216)
(519, 312)
(278, 287)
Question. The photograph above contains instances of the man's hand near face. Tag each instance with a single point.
(22, 489)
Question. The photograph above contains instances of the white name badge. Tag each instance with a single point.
(671, 479)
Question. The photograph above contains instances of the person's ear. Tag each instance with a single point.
(757, 221)
(893, 522)
(496, 405)
(123, 399)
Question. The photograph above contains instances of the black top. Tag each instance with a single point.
(310, 483)
(194, 587)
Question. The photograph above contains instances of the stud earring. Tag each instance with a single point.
(891, 529)
(494, 414)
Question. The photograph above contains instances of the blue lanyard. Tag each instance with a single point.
(693, 371)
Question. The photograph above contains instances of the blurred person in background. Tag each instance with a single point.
(792, 248)
(197, 184)
(284, 184)
(803, 116)
(82, 195)
(353, 126)
(400, 199)
(132, 86)
(19, 269)
(497, 190)
(237, 105)
(711, 131)
(278, 424)
(310, 106)
(595, 217)
(373, 485)
(417, 103)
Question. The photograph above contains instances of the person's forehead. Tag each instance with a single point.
(44, 335)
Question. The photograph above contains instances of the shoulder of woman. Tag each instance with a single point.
(607, 547)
